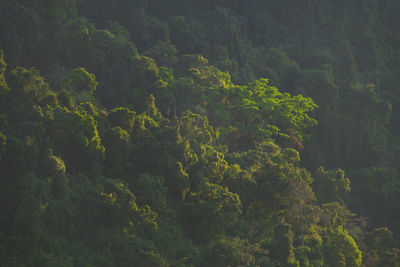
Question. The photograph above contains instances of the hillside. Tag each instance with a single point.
(199, 133)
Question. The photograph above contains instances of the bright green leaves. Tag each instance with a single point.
(279, 109)
(259, 111)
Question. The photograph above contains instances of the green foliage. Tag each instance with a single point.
(210, 211)
(331, 185)
(76, 137)
(81, 80)
(164, 53)
(168, 148)
(234, 252)
(3, 66)
(383, 252)
(27, 85)
(3, 142)
(151, 191)
(341, 250)
(123, 117)
(260, 111)
(380, 187)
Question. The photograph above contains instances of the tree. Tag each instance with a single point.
(340, 249)
(80, 80)
(331, 185)
(209, 212)
(76, 138)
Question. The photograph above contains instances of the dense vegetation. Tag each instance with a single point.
(153, 133)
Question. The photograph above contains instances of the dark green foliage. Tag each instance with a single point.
(3, 66)
(331, 185)
(80, 80)
(157, 135)
(341, 250)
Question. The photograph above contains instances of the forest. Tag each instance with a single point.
(206, 133)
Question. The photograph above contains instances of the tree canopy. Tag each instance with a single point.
(199, 133)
